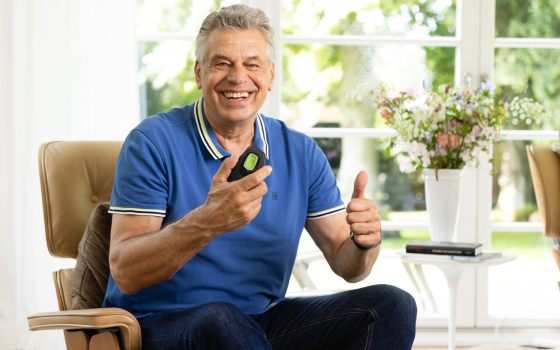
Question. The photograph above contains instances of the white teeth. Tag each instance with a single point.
(236, 94)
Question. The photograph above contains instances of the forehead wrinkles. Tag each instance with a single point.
(235, 51)
(236, 44)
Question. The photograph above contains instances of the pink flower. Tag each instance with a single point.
(496, 137)
(411, 91)
(476, 130)
(448, 140)
(405, 165)
(487, 131)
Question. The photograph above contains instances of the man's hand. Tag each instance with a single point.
(363, 218)
(232, 205)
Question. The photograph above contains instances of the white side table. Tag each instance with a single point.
(454, 270)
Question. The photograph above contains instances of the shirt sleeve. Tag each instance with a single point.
(140, 186)
(324, 195)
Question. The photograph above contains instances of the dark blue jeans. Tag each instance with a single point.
(380, 317)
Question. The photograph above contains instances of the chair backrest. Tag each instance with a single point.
(75, 177)
(545, 170)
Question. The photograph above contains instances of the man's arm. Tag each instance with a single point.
(143, 254)
(332, 235)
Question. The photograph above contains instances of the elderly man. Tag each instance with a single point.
(204, 263)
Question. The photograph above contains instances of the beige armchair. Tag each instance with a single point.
(75, 177)
(545, 170)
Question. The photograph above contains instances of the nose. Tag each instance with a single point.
(237, 74)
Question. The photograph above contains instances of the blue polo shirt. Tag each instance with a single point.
(165, 169)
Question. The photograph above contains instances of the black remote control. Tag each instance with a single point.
(250, 161)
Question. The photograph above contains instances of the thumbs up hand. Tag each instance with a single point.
(363, 218)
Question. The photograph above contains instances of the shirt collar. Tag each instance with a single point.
(209, 138)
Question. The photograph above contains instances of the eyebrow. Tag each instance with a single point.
(222, 57)
(258, 58)
(219, 57)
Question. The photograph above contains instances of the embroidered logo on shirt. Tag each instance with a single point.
(275, 196)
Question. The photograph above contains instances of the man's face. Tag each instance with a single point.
(235, 76)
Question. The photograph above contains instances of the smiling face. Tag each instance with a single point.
(235, 76)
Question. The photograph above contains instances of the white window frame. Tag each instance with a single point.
(474, 43)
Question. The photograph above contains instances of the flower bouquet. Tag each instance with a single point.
(446, 129)
(442, 132)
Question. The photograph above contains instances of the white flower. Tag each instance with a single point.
(426, 161)
(469, 139)
(465, 156)
(405, 165)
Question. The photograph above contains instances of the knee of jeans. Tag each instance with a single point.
(218, 315)
(403, 302)
(395, 300)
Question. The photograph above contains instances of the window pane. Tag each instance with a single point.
(533, 273)
(167, 76)
(534, 71)
(360, 17)
(399, 197)
(317, 79)
(527, 18)
(513, 194)
(385, 271)
(183, 16)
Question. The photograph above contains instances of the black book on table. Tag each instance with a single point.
(444, 248)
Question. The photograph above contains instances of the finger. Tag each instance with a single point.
(360, 185)
(369, 228)
(250, 181)
(360, 217)
(367, 240)
(257, 192)
(225, 169)
(256, 210)
(253, 210)
(360, 204)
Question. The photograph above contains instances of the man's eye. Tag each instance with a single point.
(222, 64)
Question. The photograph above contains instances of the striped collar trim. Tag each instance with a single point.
(262, 132)
(213, 147)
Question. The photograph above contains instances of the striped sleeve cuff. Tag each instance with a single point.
(325, 213)
(137, 211)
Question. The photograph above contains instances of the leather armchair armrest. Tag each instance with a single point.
(545, 171)
(89, 319)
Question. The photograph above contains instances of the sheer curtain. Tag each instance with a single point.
(67, 72)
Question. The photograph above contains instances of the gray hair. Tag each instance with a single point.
(235, 17)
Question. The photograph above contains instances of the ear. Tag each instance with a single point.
(272, 76)
(197, 69)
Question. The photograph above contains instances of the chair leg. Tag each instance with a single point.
(104, 341)
(76, 340)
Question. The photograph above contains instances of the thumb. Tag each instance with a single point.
(225, 169)
(360, 185)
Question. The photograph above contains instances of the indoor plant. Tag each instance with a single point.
(440, 132)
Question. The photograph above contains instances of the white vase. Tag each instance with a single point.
(442, 202)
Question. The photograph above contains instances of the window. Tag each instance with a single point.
(324, 50)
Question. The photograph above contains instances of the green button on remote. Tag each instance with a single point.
(251, 161)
